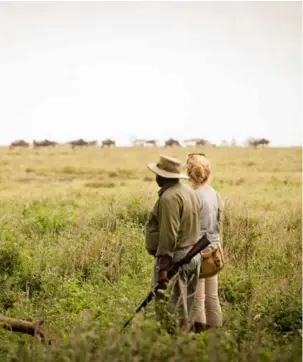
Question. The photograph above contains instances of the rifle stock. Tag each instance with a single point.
(172, 270)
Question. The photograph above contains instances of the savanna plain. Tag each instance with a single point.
(72, 253)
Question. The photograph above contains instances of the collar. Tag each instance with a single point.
(167, 186)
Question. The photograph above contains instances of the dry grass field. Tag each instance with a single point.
(72, 252)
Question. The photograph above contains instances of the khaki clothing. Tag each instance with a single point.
(206, 308)
(173, 223)
(172, 229)
(182, 287)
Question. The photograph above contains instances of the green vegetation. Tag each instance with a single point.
(72, 252)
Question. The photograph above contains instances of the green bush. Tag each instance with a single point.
(10, 259)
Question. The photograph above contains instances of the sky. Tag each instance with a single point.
(151, 70)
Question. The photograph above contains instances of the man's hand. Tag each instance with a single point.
(163, 263)
(163, 280)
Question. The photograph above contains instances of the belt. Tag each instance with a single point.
(184, 247)
(178, 249)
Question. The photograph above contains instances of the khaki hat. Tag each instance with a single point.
(168, 167)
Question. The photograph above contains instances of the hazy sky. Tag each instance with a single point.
(214, 70)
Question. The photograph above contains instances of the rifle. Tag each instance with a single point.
(172, 270)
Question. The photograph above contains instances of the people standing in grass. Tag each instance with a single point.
(206, 310)
(172, 229)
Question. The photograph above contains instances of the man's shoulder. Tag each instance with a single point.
(177, 190)
(186, 189)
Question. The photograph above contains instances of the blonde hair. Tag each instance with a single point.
(198, 169)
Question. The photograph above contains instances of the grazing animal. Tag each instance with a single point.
(108, 143)
(80, 142)
(172, 143)
(152, 143)
(253, 143)
(19, 143)
(259, 142)
(201, 142)
(264, 142)
(44, 143)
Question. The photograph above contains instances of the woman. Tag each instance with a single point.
(206, 311)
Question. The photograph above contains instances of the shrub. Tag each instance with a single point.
(10, 259)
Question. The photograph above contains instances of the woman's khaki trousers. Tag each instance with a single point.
(206, 307)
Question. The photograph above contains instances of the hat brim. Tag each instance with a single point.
(153, 167)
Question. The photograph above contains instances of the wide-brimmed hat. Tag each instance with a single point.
(167, 167)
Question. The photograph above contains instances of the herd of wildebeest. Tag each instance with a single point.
(197, 142)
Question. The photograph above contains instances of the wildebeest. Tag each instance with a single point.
(259, 142)
(108, 143)
(172, 143)
(152, 143)
(197, 142)
(202, 142)
(80, 142)
(264, 142)
(44, 143)
(19, 143)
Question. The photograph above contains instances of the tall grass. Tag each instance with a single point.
(72, 252)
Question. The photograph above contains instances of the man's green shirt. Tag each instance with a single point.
(174, 222)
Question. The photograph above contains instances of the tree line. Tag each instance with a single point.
(194, 142)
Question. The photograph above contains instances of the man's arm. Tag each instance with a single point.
(169, 222)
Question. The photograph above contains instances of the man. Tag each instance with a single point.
(172, 229)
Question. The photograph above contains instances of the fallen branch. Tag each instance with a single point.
(19, 325)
